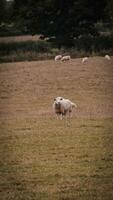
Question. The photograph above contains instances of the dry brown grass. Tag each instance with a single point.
(19, 38)
(42, 158)
(35, 84)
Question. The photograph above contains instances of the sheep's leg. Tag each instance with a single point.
(69, 115)
(67, 119)
(57, 116)
(61, 116)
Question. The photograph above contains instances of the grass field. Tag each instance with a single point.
(23, 38)
(41, 158)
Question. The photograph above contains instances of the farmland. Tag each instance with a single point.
(42, 158)
(23, 38)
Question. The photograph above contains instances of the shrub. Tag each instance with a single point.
(38, 50)
(38, 46)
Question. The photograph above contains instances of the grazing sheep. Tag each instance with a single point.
(107, 57)
(85, 59)
(42, 37)
(63, 107)
(58, 57)
(65, 58)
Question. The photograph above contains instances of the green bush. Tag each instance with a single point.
(38, 46)
(38, 50)
(97, 44)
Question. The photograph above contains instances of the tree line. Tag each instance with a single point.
(61, 21)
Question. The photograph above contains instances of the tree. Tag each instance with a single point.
(109, 10)
(9, 10)
(2, 10)
(60, 20)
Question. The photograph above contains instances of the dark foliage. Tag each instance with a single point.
(62, 21)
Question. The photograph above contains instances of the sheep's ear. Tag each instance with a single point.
(54, 99)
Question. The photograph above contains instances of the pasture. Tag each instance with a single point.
(24, 38)
(41, 158)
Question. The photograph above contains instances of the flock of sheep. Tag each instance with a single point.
(61, 106)
(68, 57)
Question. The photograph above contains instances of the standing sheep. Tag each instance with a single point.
(107, 57)
(85, 59)
(65, 58)
(58, 57)
(63, 107)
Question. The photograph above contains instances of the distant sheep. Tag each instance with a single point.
(107, 57)
(65, 58)
(63, 107)
(58, 57)
(85, 59)
(42, 37)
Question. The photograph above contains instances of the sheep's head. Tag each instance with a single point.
(57, 105)
(57, 100)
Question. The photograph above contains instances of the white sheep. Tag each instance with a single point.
(63, 107)
(65, 58)
(107, 57)
(58, 57)
(85, 59)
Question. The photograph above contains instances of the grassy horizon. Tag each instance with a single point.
(29, 48)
